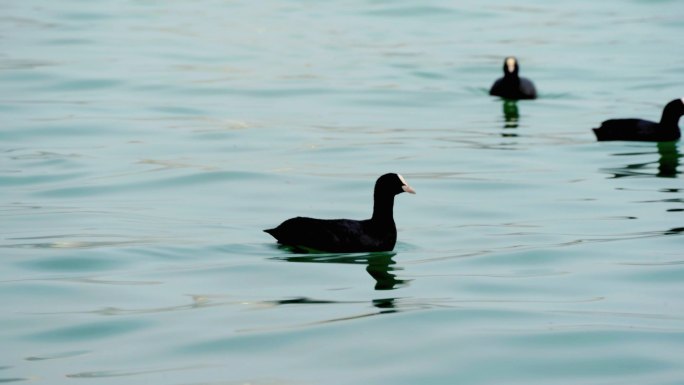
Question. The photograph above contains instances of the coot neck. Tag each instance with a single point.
(383, 208)
(512, 77)
(671, 114)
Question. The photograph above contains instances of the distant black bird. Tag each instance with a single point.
(644, 130)
(512, 86)
(378, 233)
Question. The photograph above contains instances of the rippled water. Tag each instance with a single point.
(145, 144)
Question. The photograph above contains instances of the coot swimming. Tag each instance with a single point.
(378, 233)
(512, 86)
(644, 130)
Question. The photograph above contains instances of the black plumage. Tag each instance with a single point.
(644, 130)
(379, 233)
(511, 85)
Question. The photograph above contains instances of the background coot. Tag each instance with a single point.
(511, 85)
(644, 130)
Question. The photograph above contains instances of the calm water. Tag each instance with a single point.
(145, 144)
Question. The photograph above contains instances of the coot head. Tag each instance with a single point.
(511, 66)
(392, 184)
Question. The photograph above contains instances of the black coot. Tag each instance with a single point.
(512, 86)
(644, 130)
(345, 235)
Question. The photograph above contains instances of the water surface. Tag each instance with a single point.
(145, 144)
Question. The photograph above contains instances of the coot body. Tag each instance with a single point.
(378, 233)
(336, 235)
(644, 130)
(511, 85)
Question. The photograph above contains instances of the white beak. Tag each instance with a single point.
(408, 189)
(510, 63)
(406, 186)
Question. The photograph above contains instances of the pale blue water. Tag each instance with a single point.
(145, 144)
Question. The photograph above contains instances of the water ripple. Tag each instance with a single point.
(205, 177)
(131, 373)
(15, 379)
(65, 243)
(198, 302)
(60, 355)
(89, 331)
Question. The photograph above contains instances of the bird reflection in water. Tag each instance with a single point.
(667, 163)
(669, 159)
(511, 114)
(379, 265)
(511, 117)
